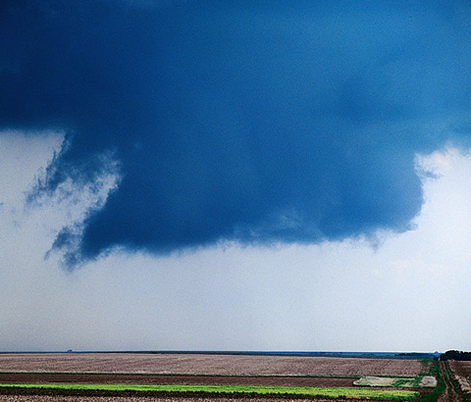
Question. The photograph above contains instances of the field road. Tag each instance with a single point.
(450, 394)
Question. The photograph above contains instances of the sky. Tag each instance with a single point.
(235, 175)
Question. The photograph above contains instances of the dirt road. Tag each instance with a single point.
(450, 394)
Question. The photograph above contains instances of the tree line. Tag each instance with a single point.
(455, 355)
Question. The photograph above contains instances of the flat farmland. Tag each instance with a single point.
(190, 369)
(462, 368)
(462, 373)
(131, 378)
(207, 364)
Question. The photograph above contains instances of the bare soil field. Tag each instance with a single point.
(462, 372)
(81, 378)
(462, 368)
(58, 398)
(207, 364)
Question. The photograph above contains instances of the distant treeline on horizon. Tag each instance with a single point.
(455, 355)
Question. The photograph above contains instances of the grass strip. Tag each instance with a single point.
(439, 389)
(334, 392)
(406, 382)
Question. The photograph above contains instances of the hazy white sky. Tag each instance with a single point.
(235, 175)
(399, 292)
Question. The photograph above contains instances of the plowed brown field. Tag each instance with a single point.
(59, 398)
(462, 368)
(207, 364)
(42, 378)
(462, 372)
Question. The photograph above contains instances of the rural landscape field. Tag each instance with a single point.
(222, 377)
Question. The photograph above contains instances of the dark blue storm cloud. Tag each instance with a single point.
(256, 121)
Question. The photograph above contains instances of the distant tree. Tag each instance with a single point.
(455, 355)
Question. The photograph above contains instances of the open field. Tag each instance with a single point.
(96, 378)
(65, 398)
(462, 368)
(208, 364)
(462, 372)
(192, 370)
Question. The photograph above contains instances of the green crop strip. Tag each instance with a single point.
(406, 382)
(354, 393)
(428, 367)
